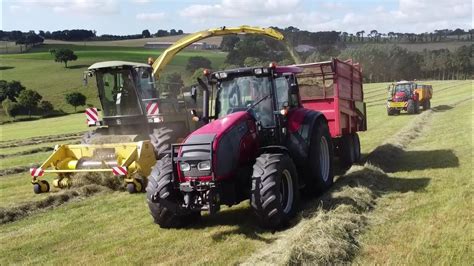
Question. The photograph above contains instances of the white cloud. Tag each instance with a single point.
(141, 1)
(151, 16)
(408, 16)
(75, 6)
(238, 9)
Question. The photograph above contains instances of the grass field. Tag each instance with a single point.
(423, 214)
(37, 69)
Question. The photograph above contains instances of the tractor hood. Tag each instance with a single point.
(234, 140)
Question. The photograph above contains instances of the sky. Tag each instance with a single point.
(122, 17)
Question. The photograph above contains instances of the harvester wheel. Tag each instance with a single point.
(320, 160)
(356, 141)
(275, 192)
(161, 139)
(347, 151)
(164, 201)
(41, 187)
(137, 186)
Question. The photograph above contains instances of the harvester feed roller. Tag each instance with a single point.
(132, 161)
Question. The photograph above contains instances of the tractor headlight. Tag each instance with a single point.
(204, 166)
(184, 166)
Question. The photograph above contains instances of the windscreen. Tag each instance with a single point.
(406, 88)
(240, 93)
(117, 93)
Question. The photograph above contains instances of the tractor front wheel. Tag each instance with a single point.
(275, 192)
(164, 201)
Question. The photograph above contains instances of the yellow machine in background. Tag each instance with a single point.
(144, 123)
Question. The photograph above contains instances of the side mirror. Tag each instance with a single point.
(194, 93)
(85, 77)
(196, 117)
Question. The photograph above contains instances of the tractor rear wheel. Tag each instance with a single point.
(346, 150)
(275, 192)
(411, 107)
(164, 201)
(161, 139)
(320, 160)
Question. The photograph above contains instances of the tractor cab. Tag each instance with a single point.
(263, 92)
(402, 91)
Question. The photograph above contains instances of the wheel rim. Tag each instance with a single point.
(286, 191)
(324, 158)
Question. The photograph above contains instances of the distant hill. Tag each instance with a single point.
(134, 42)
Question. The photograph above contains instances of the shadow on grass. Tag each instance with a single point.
(77, 66)
(6, 67)
(442, 108)
(391, 158)
(243, 218)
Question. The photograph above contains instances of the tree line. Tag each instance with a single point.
(17, 100)
(79, 35)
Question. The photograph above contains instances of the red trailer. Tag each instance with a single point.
(335, 89)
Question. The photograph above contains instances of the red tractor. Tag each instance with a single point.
(270, 132)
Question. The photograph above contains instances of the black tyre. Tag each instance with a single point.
(275, 192)
(411, 107)
(161, 139)
(346, 150)
(164, 201)
(356, 141)
(417, 107)
(426, 105)
(41, 187)
(320, 174)
(390, 111)
(136, 188)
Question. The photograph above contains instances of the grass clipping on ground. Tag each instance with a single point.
(327, 231)
(83, 185)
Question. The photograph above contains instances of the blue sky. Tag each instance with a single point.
(132, 16)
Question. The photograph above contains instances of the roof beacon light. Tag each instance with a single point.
(206, 72)
(272, 65)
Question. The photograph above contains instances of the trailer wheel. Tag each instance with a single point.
(426, 105)
(161, 139)
(347, 151)
(411, 107)
(356, 141)
(164, 201)
(320, 160)
(275, 192)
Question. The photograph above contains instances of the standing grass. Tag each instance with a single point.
(433, 226)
